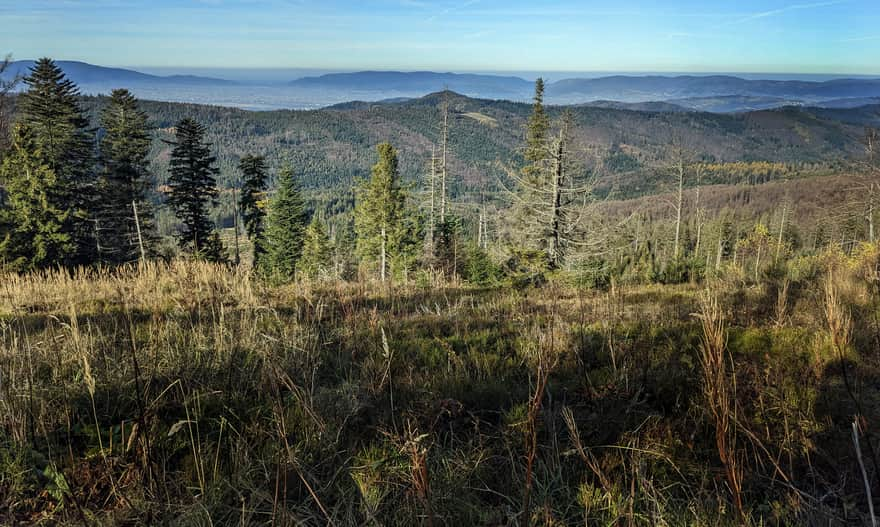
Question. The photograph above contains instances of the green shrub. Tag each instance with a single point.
(480, 269)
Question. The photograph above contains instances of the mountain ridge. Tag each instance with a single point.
(86, 73)
(717, 93)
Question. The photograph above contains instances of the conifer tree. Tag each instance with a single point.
(406, 243)
(552, 189)
(317, 254)
(379, 208)
(253, 190)
(124, 181)
(284, 229)
(58, 127)
(35, 226)
(537, 129)
(449, 252)
(193, 190)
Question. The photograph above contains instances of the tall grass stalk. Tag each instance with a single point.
(719, 391)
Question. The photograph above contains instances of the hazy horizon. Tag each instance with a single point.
(285, 74)
(831, 37)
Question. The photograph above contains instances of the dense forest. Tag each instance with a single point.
(439, 311)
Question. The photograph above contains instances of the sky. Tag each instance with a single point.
(780, 36)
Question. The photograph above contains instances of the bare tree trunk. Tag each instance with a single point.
(678, 206)
(6, 87)
(699, 234)
(98, 239)
(700, 216)
(444, 138)
(873, 170)
(137, 224)
(757, 263)
(871, 212)
(556, 224)
(433, 192)
(781, 232)
(480, 231)
(235, 226)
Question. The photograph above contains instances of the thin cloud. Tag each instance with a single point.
(452, 9)
(860, 39)
(787, 9)
(414, 3)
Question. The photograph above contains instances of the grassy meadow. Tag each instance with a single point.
(193, 394)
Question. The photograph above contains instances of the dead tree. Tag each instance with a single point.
(431, 185)
(679, 202)
(6, 87)
(551, 197)
(444, 153)
(871, 179)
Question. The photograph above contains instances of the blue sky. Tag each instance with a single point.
(832, 36)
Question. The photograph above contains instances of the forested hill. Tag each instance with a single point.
(332, 147)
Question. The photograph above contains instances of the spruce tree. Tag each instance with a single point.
(551, 191)
(253, 190)
(124, 181)
(379, 208)
(538, 128)
(58, 127)
(35, 225)
(284, 229)
(448, 252)
(316, 254)
(193, 190)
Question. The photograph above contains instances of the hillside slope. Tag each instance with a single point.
(332, 147)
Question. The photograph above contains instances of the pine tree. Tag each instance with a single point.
(35, 226)
(253, 190)
(58, 127)
(316, 254)
(124, 181)
(538, 128)
(379, 208)
(193, 190)
(284, 229)
(449, 252)
(406, 242)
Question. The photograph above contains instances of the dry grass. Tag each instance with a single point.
(720, 392)
(191, 394)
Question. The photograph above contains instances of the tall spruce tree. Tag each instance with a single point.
(552, 190)
(537, 130)
(193, 190)
(317, 253)
(251, 203)
(124, 181)
(285, 224)
(35, 224)
(59, 129)
(379, 209)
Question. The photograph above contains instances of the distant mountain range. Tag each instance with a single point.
(646, 88)
(712, 93)
(754, 94)
(420, 82)
(86, 74)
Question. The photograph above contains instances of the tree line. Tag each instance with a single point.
(77, 195)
